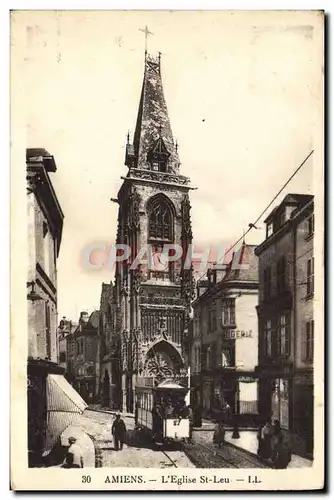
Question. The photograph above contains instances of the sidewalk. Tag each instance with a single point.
(248, 442)
(103, 409)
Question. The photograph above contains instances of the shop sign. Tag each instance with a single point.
(237, 334)
(246, 379)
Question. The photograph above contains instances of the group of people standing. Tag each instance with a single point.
(274, 445)
(166, 409)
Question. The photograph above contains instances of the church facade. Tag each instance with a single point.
(153, 293)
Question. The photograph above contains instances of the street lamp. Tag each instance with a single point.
(33, 295)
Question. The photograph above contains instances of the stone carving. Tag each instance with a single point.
(186, 225)
(161, 299)
(187, 285)
(133, 202)
(157, 367)
(159, 176)
(125, 349)
(136, 279)
(125, 288)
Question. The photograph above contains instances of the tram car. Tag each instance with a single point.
(161, 410)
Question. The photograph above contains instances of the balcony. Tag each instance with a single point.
(160, 275)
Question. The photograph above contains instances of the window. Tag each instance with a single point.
(267, 283)
(229, 312)
(309, 341)
(227, 357)
(155, 166)
(160, 222)
(284, 334)
(281, 219)
(280, 401)
(268, 338)
(46, 248)
(310, 277)
(62, 357)
(213, 316)
(47, 331)
(281, 270)
(270, 228)
(79, 346)
(198, 365)
(310, 226)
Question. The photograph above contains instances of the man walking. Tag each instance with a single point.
(118, 431)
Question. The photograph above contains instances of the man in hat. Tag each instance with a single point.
(118, 431)
(74, 457)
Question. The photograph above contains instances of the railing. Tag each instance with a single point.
(161, 275)
(145, 382)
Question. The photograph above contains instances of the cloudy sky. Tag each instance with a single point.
(241, 89)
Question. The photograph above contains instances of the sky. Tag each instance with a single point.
(242, 90)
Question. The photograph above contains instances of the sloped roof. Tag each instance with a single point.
(94, 319)
(296, 199)
(243, 266)
(41, 155)
(153, 120)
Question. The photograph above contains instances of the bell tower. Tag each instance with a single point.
(153, 293)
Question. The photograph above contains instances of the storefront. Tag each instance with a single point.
(53, 405)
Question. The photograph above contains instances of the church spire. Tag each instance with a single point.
(153, 125)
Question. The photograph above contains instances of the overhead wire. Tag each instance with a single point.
(253, 225)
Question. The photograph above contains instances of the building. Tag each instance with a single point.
(65, 328)
(83, 356)
(109, 349)
(224, 350)
(153, 297)
(52, 403)
(286, 325)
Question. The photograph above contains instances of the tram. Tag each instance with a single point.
(161, 410)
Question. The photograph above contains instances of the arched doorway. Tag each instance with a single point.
(163, 360)
(106, 389)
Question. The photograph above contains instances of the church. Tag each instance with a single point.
(152, 298)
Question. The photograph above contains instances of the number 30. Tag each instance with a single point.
(86, 479)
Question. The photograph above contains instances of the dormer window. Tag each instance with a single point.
(270, 229)
(281, 218)
(158, 156)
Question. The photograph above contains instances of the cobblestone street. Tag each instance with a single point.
(138, 452)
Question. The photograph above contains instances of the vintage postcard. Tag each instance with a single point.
(167, 215)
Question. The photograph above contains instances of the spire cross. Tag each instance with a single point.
(147, 33)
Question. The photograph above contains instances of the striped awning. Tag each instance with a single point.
(64, 405)
(62, 397)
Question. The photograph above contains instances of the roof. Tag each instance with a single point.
(41, 155)
(297, 200)
(170, 385)
(243, 266)
(153, 120)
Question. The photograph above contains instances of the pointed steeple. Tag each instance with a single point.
(153, 144)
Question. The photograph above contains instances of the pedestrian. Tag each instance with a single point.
(280, 447)
(118, 431)
(191, 423)
(74, 456)
(197, 416)
(227, 412)
(219, 434)
(169, 410)
(264, 440)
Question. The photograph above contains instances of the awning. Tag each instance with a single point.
(64, 405)
(62, 397)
